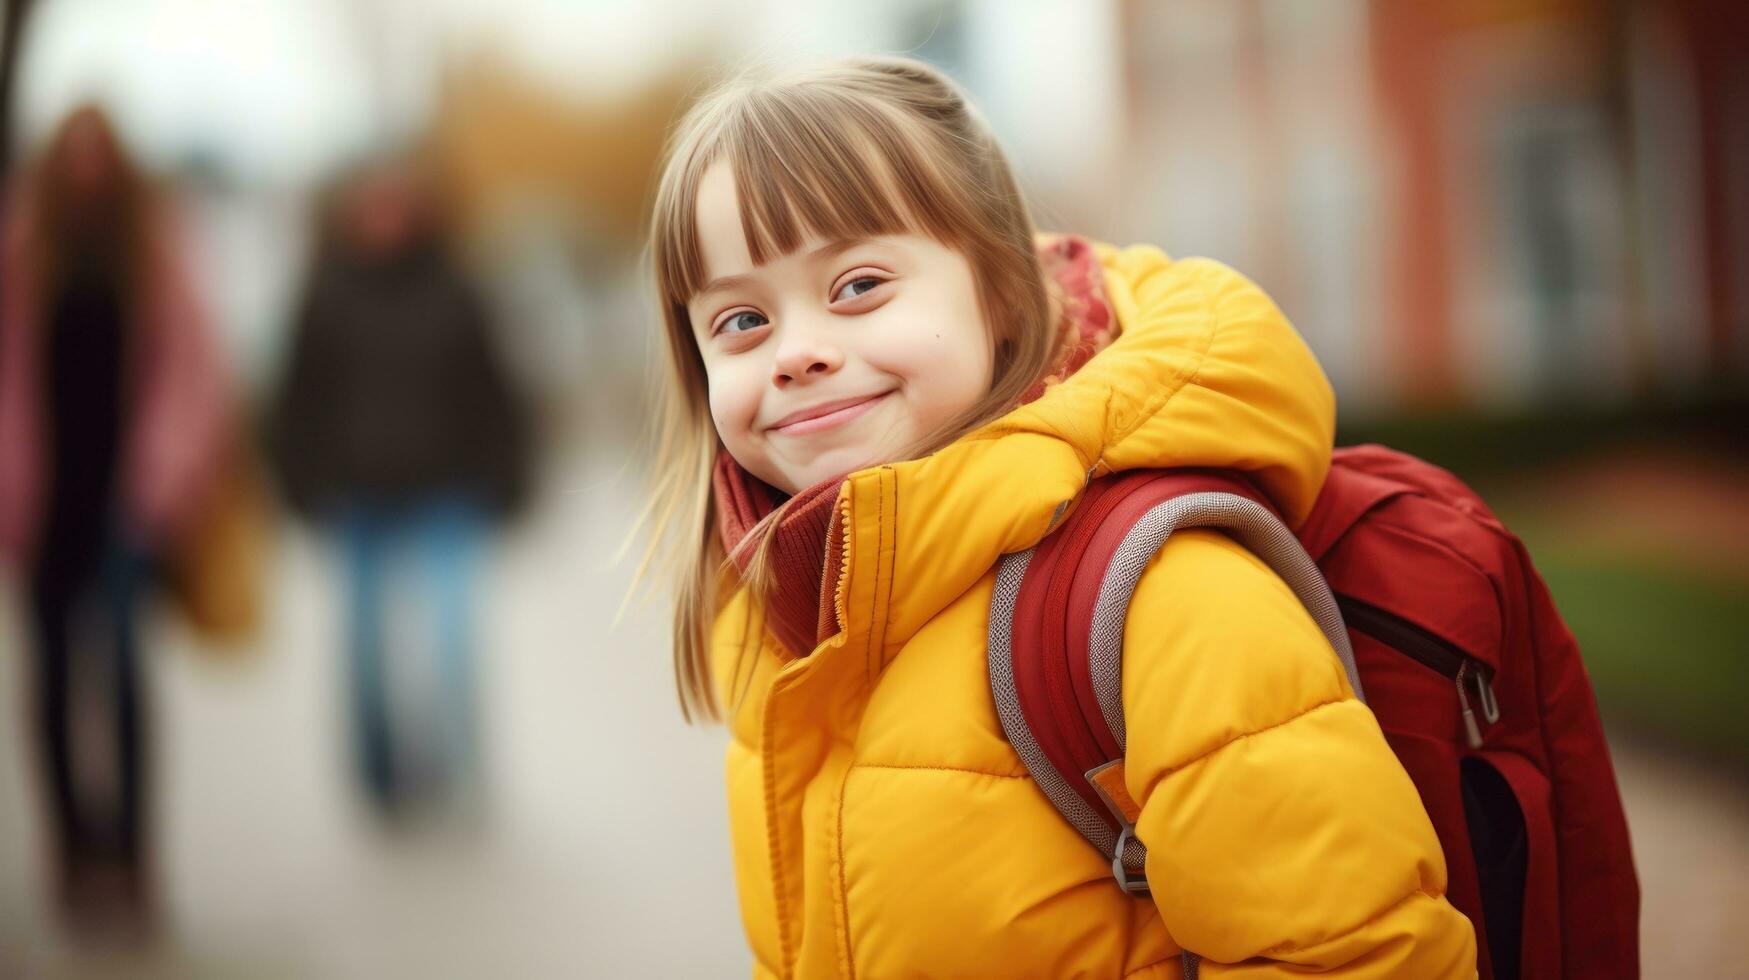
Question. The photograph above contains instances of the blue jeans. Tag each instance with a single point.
(419, 560)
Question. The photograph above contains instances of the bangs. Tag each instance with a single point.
(817, 163)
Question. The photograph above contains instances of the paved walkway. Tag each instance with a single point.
(603, 852)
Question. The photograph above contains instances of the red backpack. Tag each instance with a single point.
(1445, 629)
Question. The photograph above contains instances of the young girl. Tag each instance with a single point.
(881, 382)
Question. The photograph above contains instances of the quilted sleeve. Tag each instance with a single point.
(1283, 836)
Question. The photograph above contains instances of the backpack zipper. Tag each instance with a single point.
(1433, 652)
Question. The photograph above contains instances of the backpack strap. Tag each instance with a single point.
(1361, 479)
(1057, 629)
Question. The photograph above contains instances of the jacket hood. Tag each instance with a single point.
(1205, 372)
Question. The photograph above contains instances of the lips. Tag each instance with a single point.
(826, 415)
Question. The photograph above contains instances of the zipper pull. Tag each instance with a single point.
(1471, 729)
(1490, 706)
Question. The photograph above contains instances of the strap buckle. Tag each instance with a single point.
(1137, 885)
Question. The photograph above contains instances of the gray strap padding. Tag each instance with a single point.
(1253, 526)
(1001, 656)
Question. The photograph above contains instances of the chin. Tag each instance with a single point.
(833, 464)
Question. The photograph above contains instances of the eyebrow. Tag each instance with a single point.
(825, 251)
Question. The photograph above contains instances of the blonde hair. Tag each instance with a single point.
(855, 148)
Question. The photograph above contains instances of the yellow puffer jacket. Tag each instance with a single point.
(883, 827)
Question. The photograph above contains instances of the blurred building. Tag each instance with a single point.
(1494, 205)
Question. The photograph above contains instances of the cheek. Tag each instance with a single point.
(965, 373)
(734, 398)
(728, 399)
(944, 361)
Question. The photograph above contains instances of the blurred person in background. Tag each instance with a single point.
(397, 431)
(113, 419)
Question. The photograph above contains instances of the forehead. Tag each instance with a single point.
(722, 242)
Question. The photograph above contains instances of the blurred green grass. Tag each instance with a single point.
(1667, 645)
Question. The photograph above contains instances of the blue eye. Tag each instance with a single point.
(856, 287)
(734, 323)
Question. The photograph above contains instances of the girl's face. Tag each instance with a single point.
(837, 356)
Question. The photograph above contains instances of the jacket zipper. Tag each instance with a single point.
(1433, 652)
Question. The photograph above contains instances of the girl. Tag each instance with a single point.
(879, 385)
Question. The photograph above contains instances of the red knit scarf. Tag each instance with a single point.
(804, 554)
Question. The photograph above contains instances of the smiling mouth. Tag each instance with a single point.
(838, 415)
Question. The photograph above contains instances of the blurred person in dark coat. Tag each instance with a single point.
(397, 430)
(113, 418)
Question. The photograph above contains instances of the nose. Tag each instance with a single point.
(805, 356)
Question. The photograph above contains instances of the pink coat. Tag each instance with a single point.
(176, 424)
